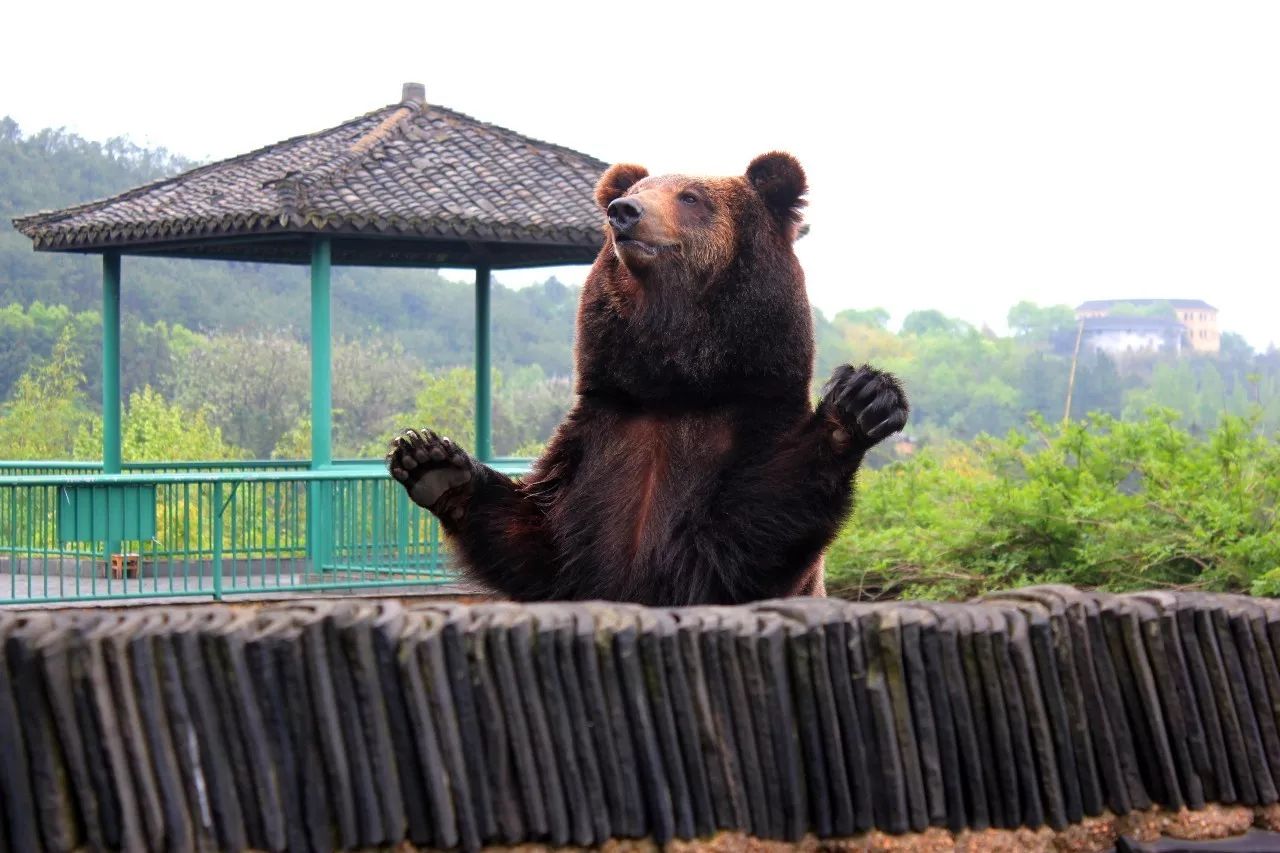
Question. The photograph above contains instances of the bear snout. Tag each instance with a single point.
(624, 213)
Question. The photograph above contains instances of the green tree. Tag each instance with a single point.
(296, 443)
(931, 322)
(876, 318)
(445, 403)
(256, 387)
(46, 410)
(154, 430)
(832, 347)
(369, 390)
(527, 406)
(1100, 386)
(1040, 324)
(1042, 384)
(526, 410)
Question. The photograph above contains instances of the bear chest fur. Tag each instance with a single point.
(641, 479)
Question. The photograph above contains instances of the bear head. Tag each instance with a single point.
(696, 224)
(697, 293)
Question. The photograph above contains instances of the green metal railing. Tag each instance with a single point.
(161, 529)
(208, 532)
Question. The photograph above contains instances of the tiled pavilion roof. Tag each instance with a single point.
(409, 184)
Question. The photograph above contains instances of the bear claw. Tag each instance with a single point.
(868, 405)
(432, 469)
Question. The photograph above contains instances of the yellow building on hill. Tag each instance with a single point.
(1198, 319)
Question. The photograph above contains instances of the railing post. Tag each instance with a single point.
(434, 533)
(217, 540)
(403, 508)
(377, 543)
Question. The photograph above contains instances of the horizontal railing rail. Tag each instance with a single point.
(10, 468)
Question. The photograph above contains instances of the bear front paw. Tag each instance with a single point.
(437, 474)
(865, 405)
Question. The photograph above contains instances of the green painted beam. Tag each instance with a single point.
(484, 362)
(111, 457)
(321, 358)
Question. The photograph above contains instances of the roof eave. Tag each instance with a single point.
(267, 224)
(269, 239)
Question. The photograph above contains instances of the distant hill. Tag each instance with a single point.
(429, 315)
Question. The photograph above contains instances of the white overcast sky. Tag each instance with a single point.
(962, 155)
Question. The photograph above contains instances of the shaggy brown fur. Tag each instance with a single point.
(693, 467)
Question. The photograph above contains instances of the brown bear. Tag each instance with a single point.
(693, 467)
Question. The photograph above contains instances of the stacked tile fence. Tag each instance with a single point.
(1044, 718)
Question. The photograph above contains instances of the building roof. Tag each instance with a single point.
(410, 183)
(1132, 324)
(1105, 304)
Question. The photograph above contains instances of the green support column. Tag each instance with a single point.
(320, 494)
(110, 386)
(484, 391)
(111, 363)
(321, 343)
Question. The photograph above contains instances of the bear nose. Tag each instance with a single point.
(624, 213)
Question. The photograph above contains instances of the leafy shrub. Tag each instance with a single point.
(1096, 503)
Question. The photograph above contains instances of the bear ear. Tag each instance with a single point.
(780, 181)
(619, 178)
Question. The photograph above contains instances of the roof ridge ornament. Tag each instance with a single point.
(414, 94)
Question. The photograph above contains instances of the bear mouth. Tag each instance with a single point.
(651, 250)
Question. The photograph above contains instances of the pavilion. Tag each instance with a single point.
(411, 184)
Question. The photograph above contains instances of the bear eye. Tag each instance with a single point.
(688, 198)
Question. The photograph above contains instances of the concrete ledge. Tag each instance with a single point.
(326, 725)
